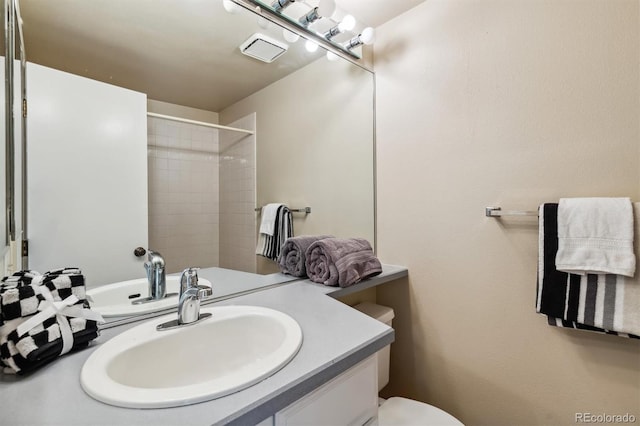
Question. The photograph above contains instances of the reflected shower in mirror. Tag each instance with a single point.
(308, 137)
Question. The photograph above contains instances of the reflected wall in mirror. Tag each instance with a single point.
(313, 143)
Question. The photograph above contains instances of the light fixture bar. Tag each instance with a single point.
(310, 17)
(278, 5)
(267, 11)
(332, 32)
(353, 43)
(367, 36)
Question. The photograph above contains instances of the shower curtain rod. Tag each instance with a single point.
(200, 123)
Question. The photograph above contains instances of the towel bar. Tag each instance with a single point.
(305, 210)
(498, 212)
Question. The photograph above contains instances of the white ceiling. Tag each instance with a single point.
(183, 52)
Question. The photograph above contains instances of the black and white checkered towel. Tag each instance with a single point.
(22, 297)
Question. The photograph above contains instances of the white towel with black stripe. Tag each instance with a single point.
(277, 228)
(605, 303)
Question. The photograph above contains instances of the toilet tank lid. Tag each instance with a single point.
(381, 313)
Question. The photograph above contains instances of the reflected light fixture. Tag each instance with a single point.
(290, 36)
(230, 6)
(278, 5)
(347, 24)
(324, 9)
(367, 36)
(263, 23)
(311, 46)
(332, 56)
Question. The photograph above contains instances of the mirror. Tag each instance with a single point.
(312, 118)
(4, 241)
(12, 67)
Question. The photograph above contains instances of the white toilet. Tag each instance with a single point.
(401, 411)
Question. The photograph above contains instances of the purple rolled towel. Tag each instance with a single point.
(292, 255)
(343, 262)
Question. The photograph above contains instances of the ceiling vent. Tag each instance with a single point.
(264, 48)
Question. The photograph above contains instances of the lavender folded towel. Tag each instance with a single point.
(293, 254)
(343, 262)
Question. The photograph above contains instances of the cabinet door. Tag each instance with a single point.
(87, 175)
(349, 399)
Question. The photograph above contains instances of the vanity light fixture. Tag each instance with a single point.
(278, 5)
(367, 36)
(294, 27)
(324, 9)
(347, 24)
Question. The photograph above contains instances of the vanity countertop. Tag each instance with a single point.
(335, 337)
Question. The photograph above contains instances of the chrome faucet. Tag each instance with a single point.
(155, 268)
(156, 276)
(191, 294)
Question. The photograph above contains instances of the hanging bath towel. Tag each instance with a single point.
(275, 228)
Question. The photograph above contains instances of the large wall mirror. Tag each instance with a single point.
(12, 69)
(309, 139)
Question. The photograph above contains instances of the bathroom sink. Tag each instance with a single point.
(237, 347)
(115, 299)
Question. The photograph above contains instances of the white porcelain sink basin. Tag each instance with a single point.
(115, 299)
(236, 347)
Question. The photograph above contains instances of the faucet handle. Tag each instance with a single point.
(189, 278)
(204, 291)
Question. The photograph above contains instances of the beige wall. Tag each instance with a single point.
(314, 148)
(511, 103)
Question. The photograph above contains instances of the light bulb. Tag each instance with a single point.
(332, 56)
(347, 23)
(263, 23)
(368, 35)
(326, 8)
(311, 46)
(290, 36)
(230, 6)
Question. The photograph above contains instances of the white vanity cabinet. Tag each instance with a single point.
(348, 400)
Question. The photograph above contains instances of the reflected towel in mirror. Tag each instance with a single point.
(270, 246)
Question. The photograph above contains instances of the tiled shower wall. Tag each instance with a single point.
(238, 197)
(183, 193)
